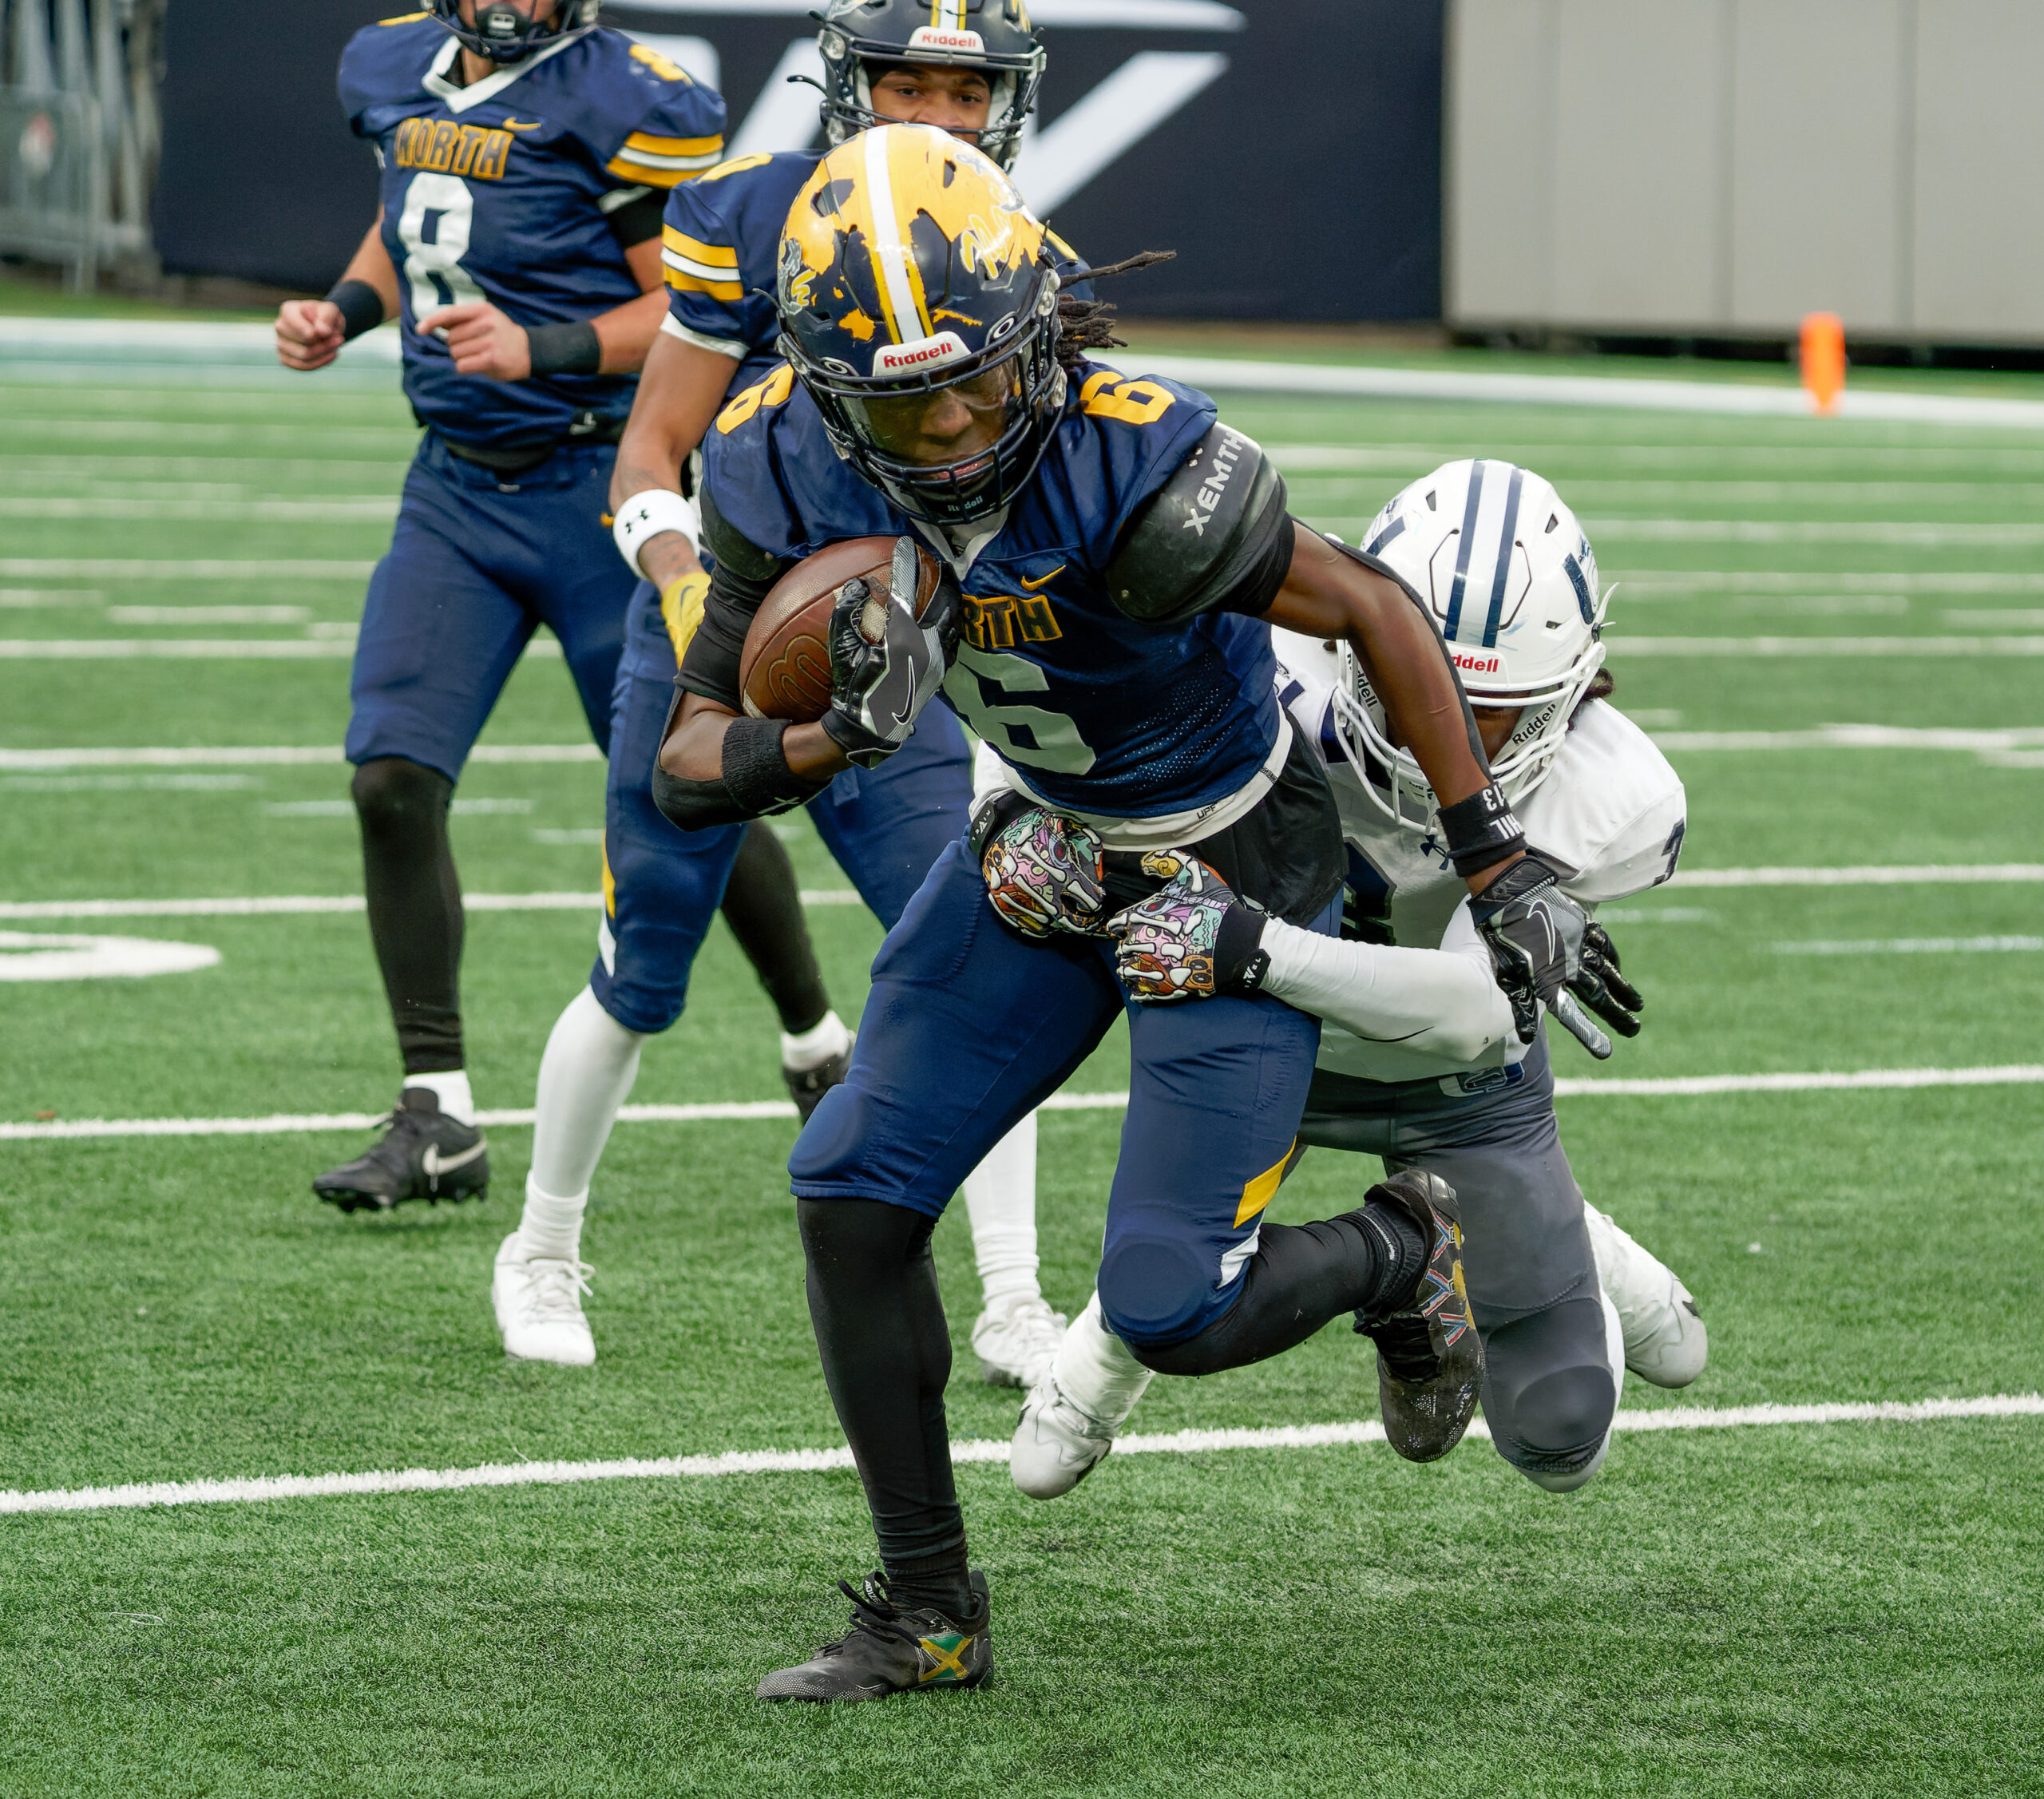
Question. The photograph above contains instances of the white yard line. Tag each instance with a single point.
(1978, 647)
(240, 906)
(1912, 946)
(220, 649)
(348, 509)
(256, 1489)
(230, 755)
(202, 568)
(282, 1124)
(1822, 737)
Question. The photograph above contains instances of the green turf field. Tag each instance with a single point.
(1778, 1609)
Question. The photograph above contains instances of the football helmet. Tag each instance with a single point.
(994, 37)
(504, 35)
(1502, 567)
(911, 269)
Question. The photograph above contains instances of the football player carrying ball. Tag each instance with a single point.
(1120, 555)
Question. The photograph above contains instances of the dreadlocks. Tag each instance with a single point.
(1085, 325)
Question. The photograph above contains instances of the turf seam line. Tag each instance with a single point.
(1665, 1087)
(257, 1488)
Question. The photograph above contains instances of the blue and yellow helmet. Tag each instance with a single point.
(861, 38)
(919, 307)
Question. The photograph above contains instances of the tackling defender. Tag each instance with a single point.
(525, 156)
(1118, 545)
(1422, 1060)
(882, 60)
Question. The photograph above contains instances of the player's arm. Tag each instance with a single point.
(310, 333)
(682, 386)
(485, 340)
(1215, 537)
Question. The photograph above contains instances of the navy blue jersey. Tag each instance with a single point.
(1096, 712)
(721, 242)
(500, 191)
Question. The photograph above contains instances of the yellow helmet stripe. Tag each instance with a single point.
(901, 291)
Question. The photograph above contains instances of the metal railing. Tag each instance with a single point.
(79, 131)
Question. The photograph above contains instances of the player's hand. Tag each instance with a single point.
(482, 340)
(886, 664)
(1192, 939)
(1043, 870)
(1599, 986)
(1534, 933)
(310, 333)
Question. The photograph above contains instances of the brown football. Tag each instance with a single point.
(784, 671)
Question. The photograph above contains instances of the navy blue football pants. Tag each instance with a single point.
(968, 1026)
(476, 564)
(662, 887)
(1548, 1394)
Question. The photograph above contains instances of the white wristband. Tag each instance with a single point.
(645, 516)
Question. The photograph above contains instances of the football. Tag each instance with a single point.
(784, 671)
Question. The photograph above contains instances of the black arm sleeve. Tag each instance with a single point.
(742, 577)
(1214, 537)
(637, 220)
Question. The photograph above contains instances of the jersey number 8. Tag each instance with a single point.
(439, 260)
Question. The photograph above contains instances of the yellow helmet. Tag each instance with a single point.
(919, 307)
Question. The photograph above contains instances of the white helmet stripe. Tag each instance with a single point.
(1462, 548)
(1503, 559)
(890, 252)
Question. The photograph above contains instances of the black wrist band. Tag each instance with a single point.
(755, 768)
(1240, 960)
(1000, 810)
(569, 349)
(1480, 831)
(361, 307)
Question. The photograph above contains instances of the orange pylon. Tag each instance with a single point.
(1824, 359)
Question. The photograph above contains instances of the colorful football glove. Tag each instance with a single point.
(1043, 870)
(1536, 934)
(1192, 939)
(886, 664)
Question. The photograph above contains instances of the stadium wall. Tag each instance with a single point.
(1725, 166)
(1255, 141)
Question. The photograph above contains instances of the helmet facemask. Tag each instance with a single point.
(502, 34)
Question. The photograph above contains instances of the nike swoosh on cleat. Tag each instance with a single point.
(435, 1167)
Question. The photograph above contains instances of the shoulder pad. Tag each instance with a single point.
(1202, 536)
(385, 64)
(733, 550)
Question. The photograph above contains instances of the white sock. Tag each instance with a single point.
(1096, 1371)
(590, 1063)
(1000, 1200)
(450, 1087)
(828, 1037)
(550, 1225)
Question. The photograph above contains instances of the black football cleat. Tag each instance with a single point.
(1429, 1357)
(892, 1649)
(806, 1087)
(422, 1155)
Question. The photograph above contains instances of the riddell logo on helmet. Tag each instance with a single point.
(1479, 664)
(932, 37)
(923, 353)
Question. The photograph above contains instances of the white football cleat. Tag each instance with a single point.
(1055, 1444)
(1666, 1341)
(1017, 1343)
(539, 1306)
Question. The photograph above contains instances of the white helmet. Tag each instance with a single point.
(1499, 562)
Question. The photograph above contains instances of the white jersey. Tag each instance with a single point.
(1609, 815)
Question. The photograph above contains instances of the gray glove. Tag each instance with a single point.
(1536, 934)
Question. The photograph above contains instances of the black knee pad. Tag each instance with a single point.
(393, 794)
(1548, 1390)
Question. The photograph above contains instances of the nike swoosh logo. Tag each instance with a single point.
(519, 124)
(435, 1165)
(1042, 580)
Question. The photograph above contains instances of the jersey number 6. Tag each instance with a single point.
(1050, 740)
(441, 259)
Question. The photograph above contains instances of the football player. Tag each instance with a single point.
(526, 154)
(881, 59)
(1422, 1060)
(1104, 552)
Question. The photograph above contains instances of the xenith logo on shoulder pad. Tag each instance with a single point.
(1227, 457)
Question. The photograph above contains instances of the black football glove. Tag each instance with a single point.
(886, 664)
(1534, 933)
(1599, 986)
